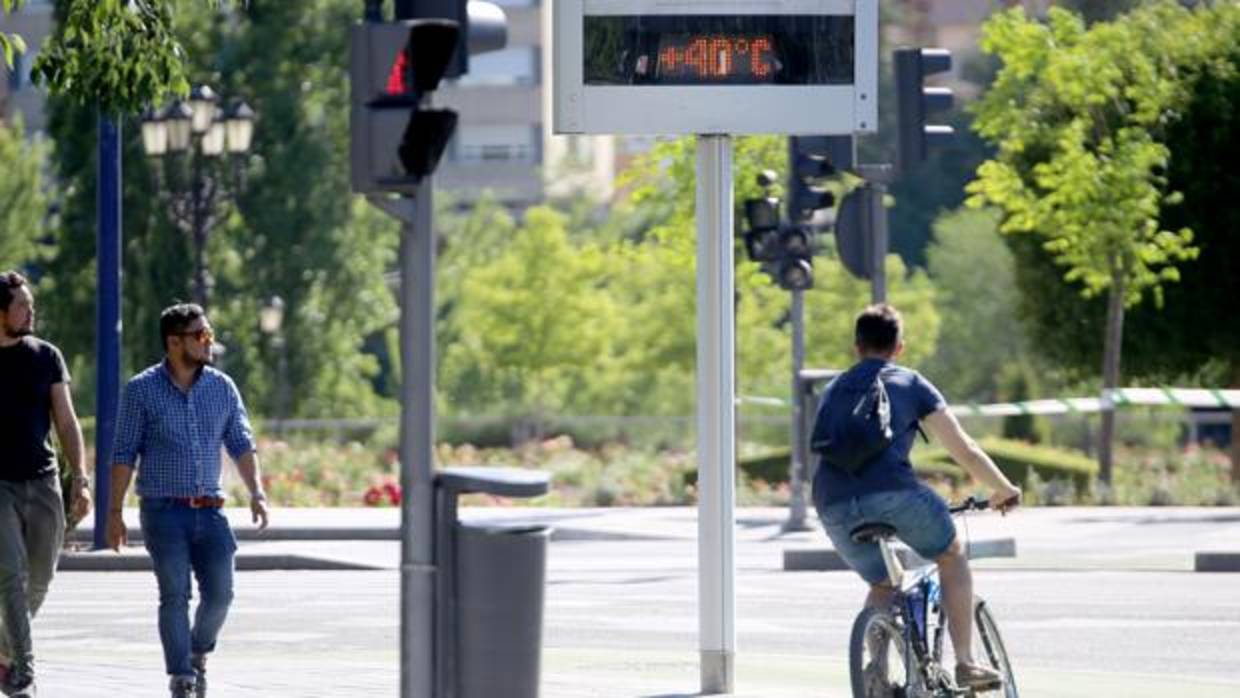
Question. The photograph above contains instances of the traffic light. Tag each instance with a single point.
(809, 160)
(762, 237)
(396, 139)
(395, 142)
(795, 270)
(786, 251)
(484, 27)
(915, 101)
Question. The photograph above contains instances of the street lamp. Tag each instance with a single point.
(271, 322)
(200, 148)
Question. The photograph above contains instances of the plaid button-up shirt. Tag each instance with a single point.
(174, 437)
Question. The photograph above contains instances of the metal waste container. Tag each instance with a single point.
(491, 588)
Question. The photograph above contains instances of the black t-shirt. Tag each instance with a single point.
(28, 370)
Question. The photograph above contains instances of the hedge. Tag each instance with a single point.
(772, 467)
(1017, 458)
(1014, 458)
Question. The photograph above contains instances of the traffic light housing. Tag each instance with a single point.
(395, 138)
(915, 101)
(484, 27)
(785, 250)
(809, 160)
(395, 142)
(795, 270)
(762, 239)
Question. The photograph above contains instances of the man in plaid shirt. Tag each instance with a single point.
(174, 418)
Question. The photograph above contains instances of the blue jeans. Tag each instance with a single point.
(920, 517)
(181, 539)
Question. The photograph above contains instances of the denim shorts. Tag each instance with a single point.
(920, 517)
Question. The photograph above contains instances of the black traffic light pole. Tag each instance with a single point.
(809, 158)
(877, 177)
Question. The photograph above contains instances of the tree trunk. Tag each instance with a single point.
(1112, 345)
(1235, 430)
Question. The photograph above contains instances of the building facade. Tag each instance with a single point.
(33, 22)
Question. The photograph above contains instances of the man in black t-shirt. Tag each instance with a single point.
(34, 396)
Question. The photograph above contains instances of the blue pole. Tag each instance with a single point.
(107, 316)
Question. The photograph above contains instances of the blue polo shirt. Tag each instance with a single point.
(912, 399)
(174, 437)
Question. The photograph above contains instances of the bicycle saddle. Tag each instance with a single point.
(871, 532)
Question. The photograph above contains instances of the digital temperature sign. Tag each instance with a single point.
(715, 66)
(718, 50)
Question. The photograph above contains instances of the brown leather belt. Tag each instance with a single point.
(199, 502)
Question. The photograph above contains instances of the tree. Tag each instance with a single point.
(979, 309)
(297, 232)
(1184, 339)
(1077, 115)
(533, 321)
(23, 201)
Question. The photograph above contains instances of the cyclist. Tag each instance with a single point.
(885, 490)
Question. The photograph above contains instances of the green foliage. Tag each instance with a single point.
(1176, 341)
(773, 467)
(599, 318)
(973, 274)
(1018, 459)
(1171, 477)
(121, 55)
(533, 319)
(23, 199)
(10, 44)
(1076, 115)
(296, 231)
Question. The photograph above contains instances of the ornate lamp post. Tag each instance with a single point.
(271, 322)
(200, 148)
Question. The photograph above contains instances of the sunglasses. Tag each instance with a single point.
(203, 335)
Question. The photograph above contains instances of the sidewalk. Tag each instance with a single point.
(1098, 602)
(1077, 538)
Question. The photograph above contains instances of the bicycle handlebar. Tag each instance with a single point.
(970, 504)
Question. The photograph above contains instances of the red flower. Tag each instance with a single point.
(373, 497)
(392, 490)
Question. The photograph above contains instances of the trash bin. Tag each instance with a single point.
(491, 588)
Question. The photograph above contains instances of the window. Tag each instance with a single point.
(512, 66)
(481, 144)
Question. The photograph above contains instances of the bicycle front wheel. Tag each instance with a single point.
(991, 650)
(878, 662)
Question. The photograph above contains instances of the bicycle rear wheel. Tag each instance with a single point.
(990, 650)
(878, 663)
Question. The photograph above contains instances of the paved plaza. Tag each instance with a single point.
(1098, 602)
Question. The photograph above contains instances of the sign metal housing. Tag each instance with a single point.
(715, 66)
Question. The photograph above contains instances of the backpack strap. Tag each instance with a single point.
(917, 426)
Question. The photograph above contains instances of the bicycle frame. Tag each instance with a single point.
(916, 608)
(917, 596)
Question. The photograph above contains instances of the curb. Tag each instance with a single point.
(105, 561)
(272, 535)
(1217, 562)
(828, 560)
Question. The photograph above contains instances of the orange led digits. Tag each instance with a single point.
(759, 56)
(721, 51)
(717, 58)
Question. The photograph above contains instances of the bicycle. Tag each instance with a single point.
(911, 632)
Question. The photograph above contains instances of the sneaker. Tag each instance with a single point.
(199, 662)
(978, 678)
(182, 686)
(19, 684)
